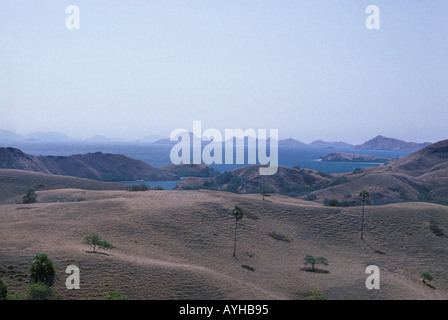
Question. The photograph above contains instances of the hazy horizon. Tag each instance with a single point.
(54, 136)
(308, 68)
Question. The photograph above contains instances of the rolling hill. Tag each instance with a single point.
(422, 175)
(178, 245)
(191, 170)
(248, 180)
(14, 183)
(98, 166)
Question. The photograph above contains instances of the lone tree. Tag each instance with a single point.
(238, 213)
(265, 193)
(29, 197)
(42, 269)
(426, 276)
(94, 240)
(315, 261)
(364, 195)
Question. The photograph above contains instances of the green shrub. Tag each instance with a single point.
(3, 289)
(426, 276)
(333, 203)
(315, 294)
(436, 229)
(29, 197)
(42, 269)
(40, 291)
(94, 240)
(158, 188)
(114, 295)
(39, 186)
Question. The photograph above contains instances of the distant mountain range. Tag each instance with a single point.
(377, 143)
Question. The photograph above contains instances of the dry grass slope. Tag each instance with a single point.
(179, 245)
(15, 183)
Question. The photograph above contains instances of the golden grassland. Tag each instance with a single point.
(179, 245)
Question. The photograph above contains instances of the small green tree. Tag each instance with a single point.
(39, 186)
(426, 276)
(238, 213)
(29, 197)
(42, 269)
(315, 261)
(94, 240)
(3, 290)
(115, 295)
(265, 193)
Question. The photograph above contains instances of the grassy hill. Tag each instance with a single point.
(98, 166)
(179, 245)
(420, 176)
(290, 181)
(15, 183)
(423, 175)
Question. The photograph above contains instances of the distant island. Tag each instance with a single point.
(351, 157)
(384, 143)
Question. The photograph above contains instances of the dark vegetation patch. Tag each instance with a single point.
(435, 229)
(248, 267)
(279, 237)
(309, 269)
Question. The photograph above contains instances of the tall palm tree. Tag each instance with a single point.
(238, 213)
(364, 195)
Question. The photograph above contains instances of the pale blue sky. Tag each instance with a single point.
(308, 68)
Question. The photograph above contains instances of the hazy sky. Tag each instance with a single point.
(308, 68)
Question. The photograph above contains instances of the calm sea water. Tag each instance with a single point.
(159, 155)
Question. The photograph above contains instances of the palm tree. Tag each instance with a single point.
(364, 195)
(238, 213)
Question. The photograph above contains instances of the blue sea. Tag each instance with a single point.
(158, 155)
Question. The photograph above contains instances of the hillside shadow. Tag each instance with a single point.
(429, 285)
(245, 266)
(316, 270)
(372, 248)
(97, 252)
